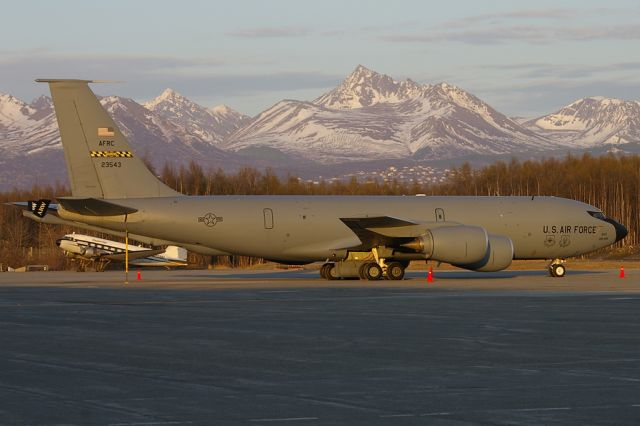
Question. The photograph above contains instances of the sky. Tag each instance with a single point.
(524, 58)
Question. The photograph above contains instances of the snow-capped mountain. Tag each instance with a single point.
(157, 138)
(209, 125)
(27, 128)
(13, 112)
(371, 117)
(307, 130)
(448, 122)
(29, 138)
(592, 122)
(364, 87)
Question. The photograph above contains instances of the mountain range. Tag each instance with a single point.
(370, 121)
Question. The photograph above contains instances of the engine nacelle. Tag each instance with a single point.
(498, 256)
(91, 252)
(459, 244)
(70, 246)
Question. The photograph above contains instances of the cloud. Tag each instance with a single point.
(537, 88)
(269, 32)
(534, 34)
(243, 84)
(534, 26)
(563, 14)
(46, 61)
(545, 96)
(146, 76)
(537, 70)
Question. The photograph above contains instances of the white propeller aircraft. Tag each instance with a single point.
(98, 252)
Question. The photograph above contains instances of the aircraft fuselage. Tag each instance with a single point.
(308, 228)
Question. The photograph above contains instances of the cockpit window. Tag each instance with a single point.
(598, 215)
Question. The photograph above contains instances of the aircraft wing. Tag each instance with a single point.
(384, 230)
(138, 254)
(83, 206)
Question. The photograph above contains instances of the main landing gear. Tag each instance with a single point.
(364, 266)
(556, 268)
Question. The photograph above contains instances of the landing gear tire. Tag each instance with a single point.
(362, 271)
(372, 271)
(323, 271)
(395, 271)
(330, 272)
(557, 270)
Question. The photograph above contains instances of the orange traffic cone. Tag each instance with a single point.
(622, 272)
(430, 275)
(139, 276)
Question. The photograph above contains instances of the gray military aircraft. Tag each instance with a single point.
(369, 237)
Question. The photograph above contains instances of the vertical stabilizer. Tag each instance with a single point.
(99, 159)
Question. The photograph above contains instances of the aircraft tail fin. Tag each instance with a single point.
(99, 160)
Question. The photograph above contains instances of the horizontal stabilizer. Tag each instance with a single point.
(94, 207)
(32, 206)
(73, 80)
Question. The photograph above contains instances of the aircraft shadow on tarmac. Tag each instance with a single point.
(307, 275)
(488, 275)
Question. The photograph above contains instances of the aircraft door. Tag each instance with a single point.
(439, 215)
(268, 218)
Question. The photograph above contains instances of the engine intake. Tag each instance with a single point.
(499, 255)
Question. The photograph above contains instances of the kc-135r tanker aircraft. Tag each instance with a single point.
(369, 237)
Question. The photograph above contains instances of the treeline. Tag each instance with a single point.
(23, 241)
(610, 182)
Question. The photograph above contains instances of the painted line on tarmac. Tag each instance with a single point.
(149, 423)
(396, 415)
(285, 419)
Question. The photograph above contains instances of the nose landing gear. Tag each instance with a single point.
(556, 268)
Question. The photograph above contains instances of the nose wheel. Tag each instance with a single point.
(557, 269)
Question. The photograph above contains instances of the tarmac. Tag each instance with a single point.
(285, 347)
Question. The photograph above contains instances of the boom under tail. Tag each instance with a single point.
(99, 159)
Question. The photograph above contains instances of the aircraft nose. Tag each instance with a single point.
(621, 230)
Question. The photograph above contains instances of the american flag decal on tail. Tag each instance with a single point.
(106, 132)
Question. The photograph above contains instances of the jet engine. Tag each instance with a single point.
(498, 257)
(458, 245)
